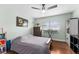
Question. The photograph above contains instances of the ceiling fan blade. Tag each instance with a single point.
(52, 7)
(35, 8)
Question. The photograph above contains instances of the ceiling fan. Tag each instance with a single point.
(44, 7)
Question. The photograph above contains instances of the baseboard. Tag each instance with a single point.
(59, 40)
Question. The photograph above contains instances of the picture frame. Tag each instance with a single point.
(21, 22)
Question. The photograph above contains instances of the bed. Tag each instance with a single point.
(31, 45)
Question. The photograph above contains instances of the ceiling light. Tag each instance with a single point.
(43, 11)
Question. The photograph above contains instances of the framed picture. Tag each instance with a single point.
(21, 22)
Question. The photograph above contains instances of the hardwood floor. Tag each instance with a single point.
(60, 48)
(56, 48)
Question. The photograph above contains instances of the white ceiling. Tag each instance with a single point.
(62, 8)
(26, 9)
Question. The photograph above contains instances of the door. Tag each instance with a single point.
(73, 27)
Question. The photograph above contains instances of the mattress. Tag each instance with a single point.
(30, 45)
(35, 40)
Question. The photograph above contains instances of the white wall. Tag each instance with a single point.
(8, 15)
(76, 11)
(9, 12)
(60, 35)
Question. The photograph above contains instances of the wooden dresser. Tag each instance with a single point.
(37, 31)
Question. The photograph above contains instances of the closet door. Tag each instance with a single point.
(73, 27)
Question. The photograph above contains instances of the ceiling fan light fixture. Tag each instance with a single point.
(43, 11)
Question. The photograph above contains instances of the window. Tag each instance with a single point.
(52, 25)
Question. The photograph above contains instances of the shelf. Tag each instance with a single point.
(74, 44)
